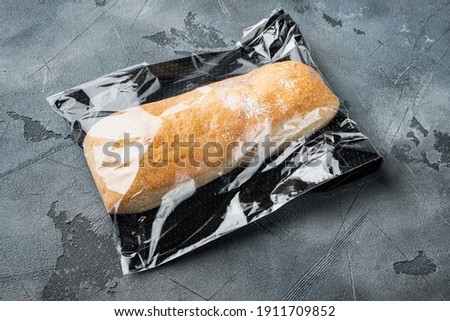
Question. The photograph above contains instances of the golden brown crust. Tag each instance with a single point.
(286, 100)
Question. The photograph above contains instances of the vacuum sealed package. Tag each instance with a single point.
(185, 151)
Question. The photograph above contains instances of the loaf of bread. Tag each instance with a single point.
(286, 100)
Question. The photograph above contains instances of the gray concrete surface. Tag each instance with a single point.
(383, 239)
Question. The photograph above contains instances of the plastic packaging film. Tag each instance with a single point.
(188, 150)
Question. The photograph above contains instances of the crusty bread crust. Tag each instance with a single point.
(286, 100)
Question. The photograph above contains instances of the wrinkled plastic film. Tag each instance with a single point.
(193, 211)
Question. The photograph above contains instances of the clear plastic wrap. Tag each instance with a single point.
(245, 97)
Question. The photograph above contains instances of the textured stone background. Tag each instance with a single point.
(384, 239)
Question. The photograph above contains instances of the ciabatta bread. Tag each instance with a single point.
(286, 100)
